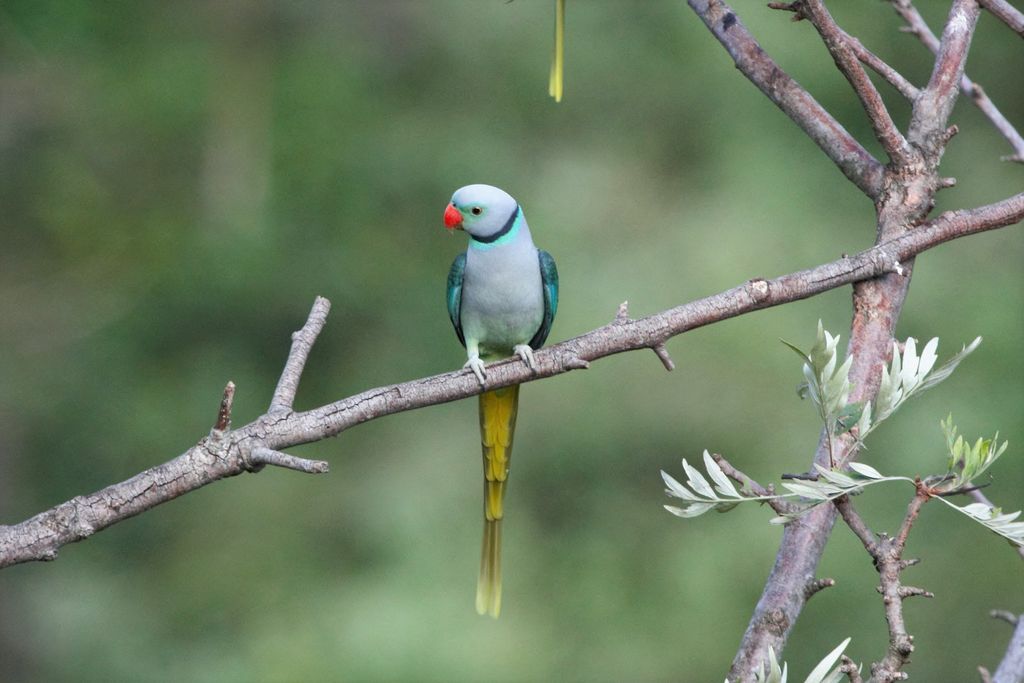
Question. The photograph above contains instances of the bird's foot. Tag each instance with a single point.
(526, 353)
(477, 366)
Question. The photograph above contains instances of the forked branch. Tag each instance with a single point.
(856, 163)
(887, 555)
(919, 27)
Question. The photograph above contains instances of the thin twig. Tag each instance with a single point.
(662, 353)
(887, 554)
(1006, 13)
(879, 66)
(913, 509)
(622, 314)
(815, 586)
(856, 524)
(223, 423)
(853, 160)
(919, 27)
(261, 456)
(782, 507)
(850, 668)
(1005, 615)
(302, 344)
(846, 59)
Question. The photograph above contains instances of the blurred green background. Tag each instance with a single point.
(179, 180)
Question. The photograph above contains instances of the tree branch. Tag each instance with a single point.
(1011, 669)
(887, 554)
(907, 198)
(877, 304)
(1006, 13)
(853, 160)
(302, 344)
(229, 453)
(932, 108)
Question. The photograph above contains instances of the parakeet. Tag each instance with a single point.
(502, 298)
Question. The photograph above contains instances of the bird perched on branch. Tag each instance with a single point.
(502, 298)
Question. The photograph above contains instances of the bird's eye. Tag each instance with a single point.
(476, 210)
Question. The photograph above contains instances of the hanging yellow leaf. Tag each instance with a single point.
(558, 60)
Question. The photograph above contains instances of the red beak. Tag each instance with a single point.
(452, 217)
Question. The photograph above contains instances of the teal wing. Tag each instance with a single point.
(549, 280)
(455, 277)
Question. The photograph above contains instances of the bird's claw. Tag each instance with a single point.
(477, 366)
(526, 353)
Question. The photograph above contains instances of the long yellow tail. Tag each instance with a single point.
(497, 424)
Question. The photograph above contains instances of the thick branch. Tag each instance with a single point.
(853, 160)
(226, 454)
(932, 108)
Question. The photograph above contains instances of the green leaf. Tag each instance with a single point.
(697, 481)
(676, 489)
(864, 425)
(823, 670)
(928, 356)
(694, 510)
(909, 375)
(775, 673)
(947, 369)
(865, 470)
(967, 462)
(810, 489)
(722, 482)
(771, 671)
(798, 351)
(851, 415)
(837, 478)
(698, 496)
(993, 518)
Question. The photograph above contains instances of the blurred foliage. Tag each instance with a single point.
(178, 180)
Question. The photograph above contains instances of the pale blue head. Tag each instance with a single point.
(484, 211)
